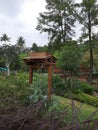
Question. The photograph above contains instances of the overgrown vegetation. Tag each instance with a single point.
(26, 107)
(61, 87)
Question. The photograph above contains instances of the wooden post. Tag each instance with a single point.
(30, 74)
(49, 81)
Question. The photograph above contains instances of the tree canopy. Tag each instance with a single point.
(58, 21)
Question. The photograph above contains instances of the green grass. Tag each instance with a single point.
(86, 98)
(84, 110)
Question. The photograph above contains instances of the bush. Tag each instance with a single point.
(38, 92)
(78, 86)
(86, 88)
(62, 86)
(96, 90)
(58, 85)
(85, 98)
(14, 91)
(73, 85)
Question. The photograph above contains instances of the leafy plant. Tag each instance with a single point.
(86, 88)
(69, 60)
(58, 85)
(14, 90)
(38, 88)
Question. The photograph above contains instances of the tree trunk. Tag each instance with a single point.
(91, 50)
(91, 66)
(8, 69)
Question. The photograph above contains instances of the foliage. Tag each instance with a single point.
(37, 48)
(36, 92)
(4, 38)
(31, 118)
(26, 107)
(10, 54)
(69, 60)
(57, 21)
(43, 48)
(7, 52)
(96, 89)
(20, 44)
(85, 98)
(60, 86)
(88, 16)
(34, 47)
(89, 19)
(86, 88)
(38, 88)
(84, 109)
(14, 90)
(21, 65)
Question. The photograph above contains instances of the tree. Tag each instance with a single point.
(20, 44)
(69, 59)
(8, 55)
(69, 62)
(6, 50)
(34, 47)
(89, 19)
(43, 48)
(57, 21)
(4, 38)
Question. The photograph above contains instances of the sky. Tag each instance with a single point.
(19, 18)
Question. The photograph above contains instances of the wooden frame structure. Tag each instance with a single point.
(44, 60)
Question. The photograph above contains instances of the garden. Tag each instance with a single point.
(26, 107)
(73, 104)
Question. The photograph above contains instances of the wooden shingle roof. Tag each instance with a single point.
(36, 58)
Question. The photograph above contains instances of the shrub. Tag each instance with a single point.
(14, 90)
(38, 88)
(62, 86)
(96, 90)
(37, 93)
(73, 85)
(58, 85)
(86, 88)
(79, 86)
(85, 98)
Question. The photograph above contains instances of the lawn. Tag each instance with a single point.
(83, 109)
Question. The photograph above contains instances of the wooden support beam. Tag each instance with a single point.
(30, 74)
(49, 81)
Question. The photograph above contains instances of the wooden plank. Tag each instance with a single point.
(39, 54)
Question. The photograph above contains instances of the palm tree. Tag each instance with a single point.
(4, 38)
(20, 43)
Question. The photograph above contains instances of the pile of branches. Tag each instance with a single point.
(34, 118)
